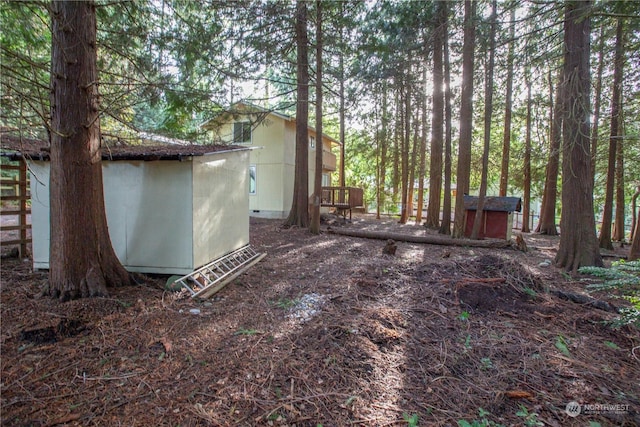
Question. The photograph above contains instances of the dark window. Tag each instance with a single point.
(241, 132)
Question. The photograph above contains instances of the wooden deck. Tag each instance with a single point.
(343, 199)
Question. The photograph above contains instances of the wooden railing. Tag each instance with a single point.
(342, 197)
(15, 208)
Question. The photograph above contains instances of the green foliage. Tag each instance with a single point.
(562, 345)
(412, 420)
(530, 419)
(623, 278)
(482, 421)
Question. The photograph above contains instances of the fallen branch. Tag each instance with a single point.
(431, 240)
(583, 299)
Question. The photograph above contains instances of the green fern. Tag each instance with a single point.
(623, 276)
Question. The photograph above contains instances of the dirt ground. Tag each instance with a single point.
(325, 330)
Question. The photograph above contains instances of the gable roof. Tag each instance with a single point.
(496, 204)
(244, 109)
(16, 148)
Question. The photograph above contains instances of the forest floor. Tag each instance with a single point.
(325, 330)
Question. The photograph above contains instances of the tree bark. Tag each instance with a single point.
(506, 139)
(82, 260)
(299, 214)
(383, 153)
(432, 240)
(488, 109)
(466, 118)
(404, 185)
(423, 149)
(526, 191)
(596, 104)
(547, 222)
(578, 241)
(616, 99)
(634, 250)
(314, 227)
(437, 125)
(445, 225)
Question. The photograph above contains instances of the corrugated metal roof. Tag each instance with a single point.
(499, 204)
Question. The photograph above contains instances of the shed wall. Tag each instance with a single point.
(220, 205)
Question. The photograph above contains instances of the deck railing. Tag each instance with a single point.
(342, 197)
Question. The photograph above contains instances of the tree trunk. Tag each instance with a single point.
(526, 193)
(423, 148)
(383, 153)
(616, 99)
(412, 170)
(343, 142)
(488, 108)
(634, 251)
(506, 139)
(437, 122)
(466, 118)
(82, 260)
(618, 229)
(618, 226)
(314, 227)
(596, 105)
(445, 225)
(578, 241)
(547, 223)
(404, 185)
(299, 214)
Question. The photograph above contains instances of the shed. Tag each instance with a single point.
(170, 209)
(497, 219)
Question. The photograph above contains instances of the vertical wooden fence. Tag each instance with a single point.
(15, 210)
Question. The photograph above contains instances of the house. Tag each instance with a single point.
(170, 209)
(497, 220)
(272, 163)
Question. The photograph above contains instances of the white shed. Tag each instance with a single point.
(170, 209)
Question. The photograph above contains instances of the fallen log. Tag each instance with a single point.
(429, 239)
(586, 300)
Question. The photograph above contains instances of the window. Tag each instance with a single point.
(242, 133)
(326, 180)
(312, 142)
(252, 179)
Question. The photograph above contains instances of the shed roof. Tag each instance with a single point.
(497, 204)
(15, 148)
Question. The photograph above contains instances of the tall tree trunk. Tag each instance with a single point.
(82, 260)
(634, 252)
(343, 142)
(616, 99)
(404, 188)
(578, 240)
(618, 226)
(596, 103)
(437, 125)
(445, 225)
(506, 139)
(488, 108)
(547, 223)
(383, 153)
(526, 193)
(412, 170)
(314, 227)
(397, 142)
(466, 118)
(423, 148)
(299, 215)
